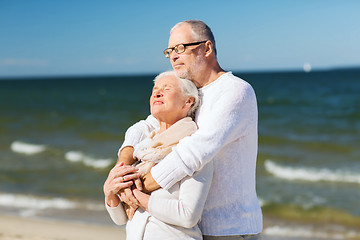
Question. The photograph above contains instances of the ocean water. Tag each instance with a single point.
(59, 138)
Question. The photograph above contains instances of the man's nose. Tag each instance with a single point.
(174, 55)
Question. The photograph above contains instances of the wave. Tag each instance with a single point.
(308, 232)
(72, 156)
(30, 204)
(27, 201)
(27, 148)
(311, 174)
(77, 156)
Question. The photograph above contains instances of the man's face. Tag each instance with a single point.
(188, 63)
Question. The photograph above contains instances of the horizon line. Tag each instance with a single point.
(109, 75)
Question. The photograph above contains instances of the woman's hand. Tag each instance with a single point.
(120, 177)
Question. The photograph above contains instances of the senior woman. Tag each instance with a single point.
(172, 214)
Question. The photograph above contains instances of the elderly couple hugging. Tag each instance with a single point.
(197, 179)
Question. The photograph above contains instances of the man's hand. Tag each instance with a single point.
(149, 184)
(127, 197)
(143, 199)
(129, 211)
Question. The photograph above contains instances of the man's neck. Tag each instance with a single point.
(210, 76)
(214, 77)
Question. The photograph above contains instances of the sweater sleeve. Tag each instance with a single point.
(186, 210)
(117, 214)
(229, 118)
(139, 131)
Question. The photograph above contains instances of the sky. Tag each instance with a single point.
(116, 37)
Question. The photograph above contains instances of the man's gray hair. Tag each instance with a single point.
(188, 88)
(200, 31)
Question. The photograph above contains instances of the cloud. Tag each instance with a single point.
(22, 62)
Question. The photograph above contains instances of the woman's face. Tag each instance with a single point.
(167, 102)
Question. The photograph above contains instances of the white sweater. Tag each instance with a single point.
(173, 213)
(227, 119)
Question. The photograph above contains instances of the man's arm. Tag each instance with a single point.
(126, 156)
(149, 184)
(234, 118)
(139, 131)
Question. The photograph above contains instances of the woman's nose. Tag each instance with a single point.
(158, 94)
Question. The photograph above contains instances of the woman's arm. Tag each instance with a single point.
(117, 214)
(186, 210)
(119, 177)
(134, 135)
(126, 157)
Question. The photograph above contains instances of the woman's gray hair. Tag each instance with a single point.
(188, 89)
(200, 31)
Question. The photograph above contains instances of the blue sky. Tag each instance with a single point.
(87, 37)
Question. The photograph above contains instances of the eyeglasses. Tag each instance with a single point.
(180, 48)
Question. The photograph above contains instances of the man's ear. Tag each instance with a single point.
(209, 48)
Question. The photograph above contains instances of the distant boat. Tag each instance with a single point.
(307, 67)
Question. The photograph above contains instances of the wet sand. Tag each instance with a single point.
(16, 228)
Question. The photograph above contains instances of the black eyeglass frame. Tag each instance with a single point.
(167, 53)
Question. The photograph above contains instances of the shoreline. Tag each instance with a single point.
(18, 228)
(281, 229)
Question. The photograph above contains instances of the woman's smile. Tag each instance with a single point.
(158, 102)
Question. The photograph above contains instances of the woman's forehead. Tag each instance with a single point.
(167, 80)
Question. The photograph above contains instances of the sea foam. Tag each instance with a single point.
(311, 174)
(305, 232)
(30, 205)
(32, 202)
(27, 148)
(77, 156)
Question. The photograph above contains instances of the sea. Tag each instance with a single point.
(59, 137)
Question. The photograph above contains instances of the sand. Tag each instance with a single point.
(16, 228)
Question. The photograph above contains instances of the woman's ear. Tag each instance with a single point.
(190, 101)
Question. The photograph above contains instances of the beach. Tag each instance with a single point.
(17, 228)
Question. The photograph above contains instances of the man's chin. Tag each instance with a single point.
(182, 74)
